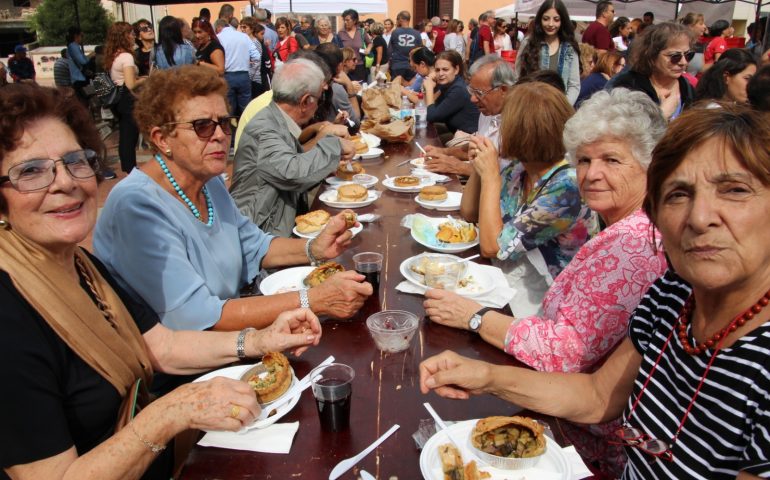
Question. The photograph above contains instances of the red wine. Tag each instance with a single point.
(372, 273)
(334, 413)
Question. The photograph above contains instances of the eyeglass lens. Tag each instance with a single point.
(677, 57)
(205, 127)
(636, 438)
(40, 173)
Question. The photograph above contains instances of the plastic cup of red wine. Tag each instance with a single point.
(332, 388)
(369, 264)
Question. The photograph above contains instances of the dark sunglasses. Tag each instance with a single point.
(676, 57)
(635, 438)
(145, 28)
(205, 127)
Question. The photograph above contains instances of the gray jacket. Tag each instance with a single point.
(272, 173)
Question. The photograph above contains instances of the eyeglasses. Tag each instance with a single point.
(205, 127)
(633, 437)
(38, 174)
(145, 29)
(676, 57)
(480, 93)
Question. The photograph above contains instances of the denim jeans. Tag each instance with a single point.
(238, 91)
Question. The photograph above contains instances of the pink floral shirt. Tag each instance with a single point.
(586, 309)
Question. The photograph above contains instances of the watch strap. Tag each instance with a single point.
(480, 314)
(304, 300)
(240, 343)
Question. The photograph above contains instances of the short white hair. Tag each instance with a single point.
(296, 78)
(621, 114)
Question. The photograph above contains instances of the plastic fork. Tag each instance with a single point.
(348, 463)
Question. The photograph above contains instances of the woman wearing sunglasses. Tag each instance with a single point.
(658, 61)
(690, 379)
(145, 47)
(172, 235)
(75, 349)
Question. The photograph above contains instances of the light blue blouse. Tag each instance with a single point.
(184, 54)
(158, 251)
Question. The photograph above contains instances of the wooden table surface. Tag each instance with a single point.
(386, 386)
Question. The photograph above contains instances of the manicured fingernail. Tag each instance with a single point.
(430, 382)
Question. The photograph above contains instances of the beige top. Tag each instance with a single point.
(122, 61)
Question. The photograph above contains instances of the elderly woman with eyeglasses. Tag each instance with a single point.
(690, 379)
(658, 61)
(173, 236)
(77, 352)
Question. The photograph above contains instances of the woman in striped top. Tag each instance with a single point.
(691, 380)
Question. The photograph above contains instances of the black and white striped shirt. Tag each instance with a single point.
(728, 428)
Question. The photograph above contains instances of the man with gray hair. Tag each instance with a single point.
(271, 36)
(272, 172)
(491, 79)
(438, 43)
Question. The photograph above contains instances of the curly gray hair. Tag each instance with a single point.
(620, 114)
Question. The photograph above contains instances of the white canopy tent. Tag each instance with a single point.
(324, 6)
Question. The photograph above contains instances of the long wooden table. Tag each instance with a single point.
(386, 387)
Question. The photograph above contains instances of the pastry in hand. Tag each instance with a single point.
(350, 219)
(322, 273)
(312, 221)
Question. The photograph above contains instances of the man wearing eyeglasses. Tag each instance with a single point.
(598, 34)
(273, 172)
(491, 78)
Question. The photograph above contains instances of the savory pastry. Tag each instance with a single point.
(275, 381)
(515, 437)
(406, 181)
(346, 172)
(451, 462)
(456, 232)
(350, 219)
(352, 192)
(322, 273)
(359, 144)
(312, 221)
(433, 193)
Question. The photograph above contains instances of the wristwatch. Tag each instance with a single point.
(474, 324)
(239, 344)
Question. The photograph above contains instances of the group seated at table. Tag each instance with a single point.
(531, 217)
(690, 379)
(76, 350)
(172, 235)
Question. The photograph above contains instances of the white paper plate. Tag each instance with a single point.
(553, 464)
(450, 203)
(373, 152)
(424, 182)
(480, 283)
(446, 247)
(372, 140)
(329, 197)
(337, 181)
(288, 280)
(418, 162)
(436, 177)
(235, 373)
(354, 230)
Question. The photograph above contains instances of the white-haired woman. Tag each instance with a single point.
(325, 33)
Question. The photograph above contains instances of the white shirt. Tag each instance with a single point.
(489, 126)
(239, 50)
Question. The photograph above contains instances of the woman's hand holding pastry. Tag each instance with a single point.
(294, 330)
(448, 308)
(217, 404)
(453, 376)
(341, 296)
(335, 238)
(484, 158)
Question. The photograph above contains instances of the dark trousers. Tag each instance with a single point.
(127, 130)
(238, 91)
(257, 89)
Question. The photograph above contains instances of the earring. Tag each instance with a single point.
(5, 225)
(168, 152)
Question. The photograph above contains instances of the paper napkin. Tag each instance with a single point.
(276, 438)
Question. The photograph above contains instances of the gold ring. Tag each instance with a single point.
(235, 410)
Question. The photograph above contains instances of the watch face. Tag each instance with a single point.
(475, 322)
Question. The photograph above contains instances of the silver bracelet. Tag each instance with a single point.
(239, 344)
(304, 300)
(154, 447)
(309, 253)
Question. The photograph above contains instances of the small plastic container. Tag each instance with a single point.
(506, 463)
(444, 273)
(392, 330)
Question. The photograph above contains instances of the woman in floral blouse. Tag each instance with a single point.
(531, 218)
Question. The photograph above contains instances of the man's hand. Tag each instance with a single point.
(439, 163)
(348, 150)
(454, 376)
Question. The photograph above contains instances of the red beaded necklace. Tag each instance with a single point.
(737, 322)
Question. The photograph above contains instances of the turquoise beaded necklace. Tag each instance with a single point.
(184, 197)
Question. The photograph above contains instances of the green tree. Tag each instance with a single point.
(54, 17)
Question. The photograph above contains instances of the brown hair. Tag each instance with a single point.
(348, 54)
(22, 104)
(532, 123)
(741, 129)
(587, 55)
(164, 90)
(607, 61)
(455, 59)
(653, 40)
(206, 27)
(250, 22)
(117, 42)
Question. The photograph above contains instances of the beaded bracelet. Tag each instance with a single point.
(154, 447)
(309, 253)
(304, 300)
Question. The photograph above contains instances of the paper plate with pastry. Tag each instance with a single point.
(436, 177)
(364, 179)
(349, 195)
(370, 153)
(407, 183)
(440, 459)
(450, 203)
(346, 170)
(286, 280)
(373, 141)
(418, 162)
(237, 373)
(445, 235)
(306, 224)
(354, 230)
(474, 280)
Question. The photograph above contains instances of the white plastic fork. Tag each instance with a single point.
(348, 463)
(452, 439)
